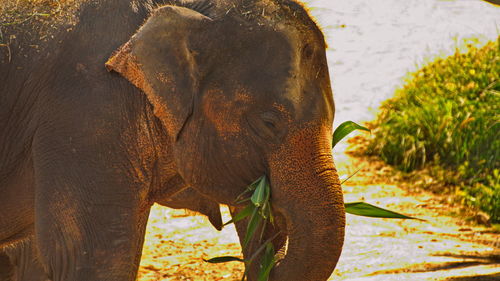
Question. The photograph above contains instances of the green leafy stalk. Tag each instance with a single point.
(368, 210)
(249, 209)
(267, 263)
(362, 208)
(254, 222)
(261, 192)
(344, 129)
(259, 211)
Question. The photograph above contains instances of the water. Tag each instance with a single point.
(373, 44)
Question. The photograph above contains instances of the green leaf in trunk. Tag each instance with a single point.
(368, 210)
(261, 193)
(267, 263)
(241, 215)
(254, 222)
(344, 129)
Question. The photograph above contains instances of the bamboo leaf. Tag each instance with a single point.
(251, 187)
(241, 215)
(270, 213)
(254, 222)
(368, 210)
(242, 201)
(344, 129)
(350, 176)
(224, 259)
(260, 194)
(267, 263)
(265, 210)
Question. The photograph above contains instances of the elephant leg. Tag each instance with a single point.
(90, 213)
(25, 265)
(6, 267)
(89, 238)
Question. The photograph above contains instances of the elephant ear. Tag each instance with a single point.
(158, 60)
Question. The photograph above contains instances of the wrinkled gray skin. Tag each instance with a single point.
(191, 199)
(19, 262)
(99, 120)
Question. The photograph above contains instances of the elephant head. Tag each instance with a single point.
(242, 89)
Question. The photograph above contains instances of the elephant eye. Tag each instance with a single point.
(266, 125)
(270, 125)
(269, 119)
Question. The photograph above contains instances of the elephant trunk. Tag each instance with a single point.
(307, 192)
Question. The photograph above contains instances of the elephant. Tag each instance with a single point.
(19, 262)
(192, 200)
(494, 2)
(111, 105)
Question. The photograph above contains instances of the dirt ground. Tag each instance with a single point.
(372, 45)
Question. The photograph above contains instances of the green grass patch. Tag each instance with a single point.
(447, 118)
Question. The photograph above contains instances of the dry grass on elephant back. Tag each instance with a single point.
(47, 15)
(36, 21)
(14, 12)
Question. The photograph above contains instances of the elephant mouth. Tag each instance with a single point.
(281, 239)
(275, 233)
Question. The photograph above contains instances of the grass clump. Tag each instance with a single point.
(447, 118)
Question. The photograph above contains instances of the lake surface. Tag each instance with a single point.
(374, 43)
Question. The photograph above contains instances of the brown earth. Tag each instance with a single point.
(446, 246)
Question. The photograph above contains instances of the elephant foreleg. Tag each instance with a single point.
(90, 239)
(90, 216)
(24, 264)
(6, 267)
